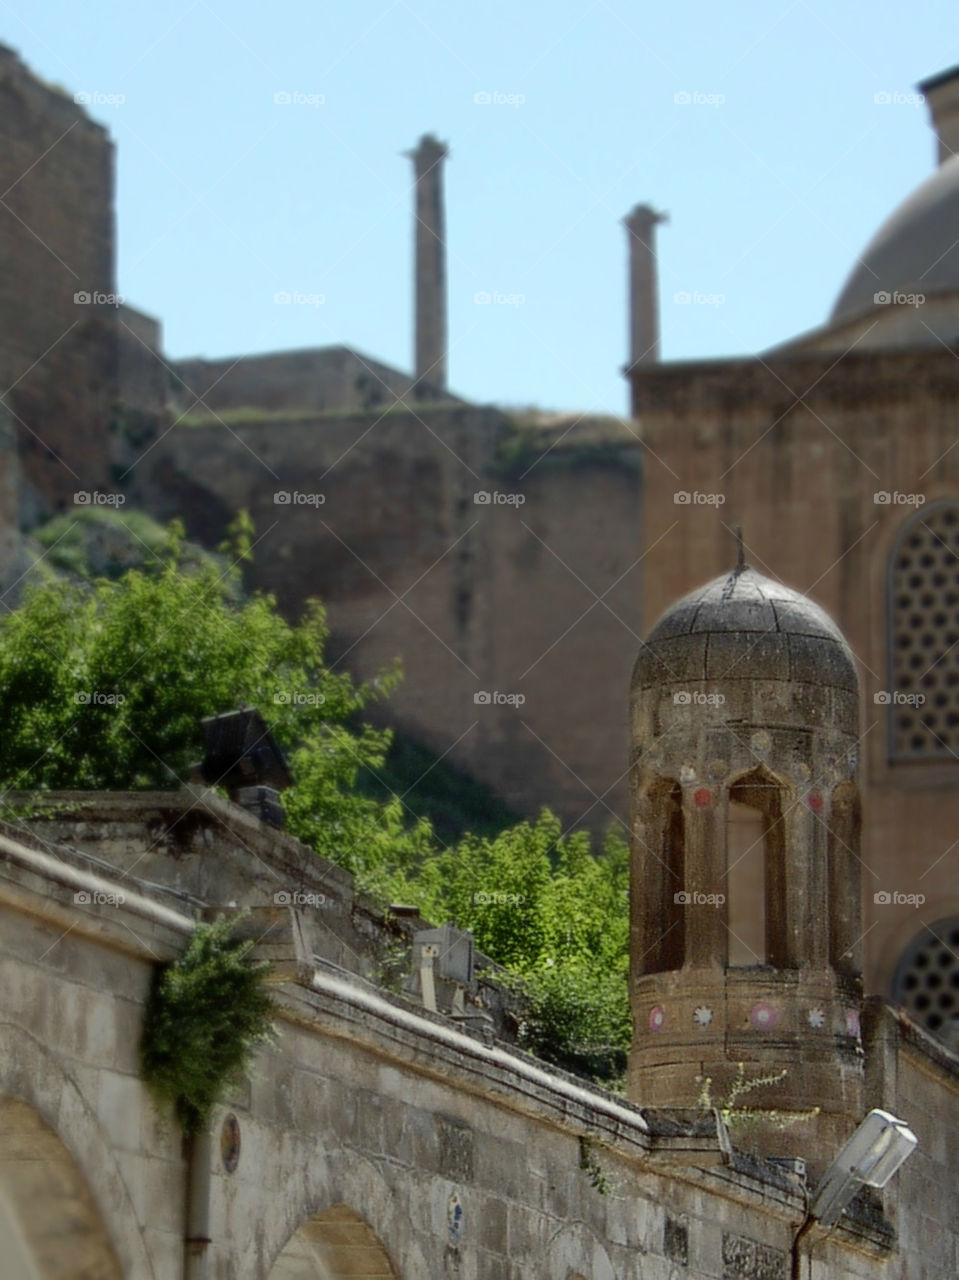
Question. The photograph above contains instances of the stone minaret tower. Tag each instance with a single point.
(745, 929)
(643, 285)
(429, 358)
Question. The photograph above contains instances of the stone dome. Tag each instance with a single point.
(915, 251)
(743, 626)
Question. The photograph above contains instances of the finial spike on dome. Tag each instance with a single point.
(741, 557)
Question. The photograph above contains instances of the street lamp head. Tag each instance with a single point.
(872, 1155)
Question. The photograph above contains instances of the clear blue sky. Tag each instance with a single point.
(225, 197)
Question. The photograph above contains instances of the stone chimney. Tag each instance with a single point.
(643, 285)
(942, 95)
(429, 357)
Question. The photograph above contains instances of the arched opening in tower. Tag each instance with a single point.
(755, 872)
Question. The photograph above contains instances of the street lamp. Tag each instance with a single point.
(872, 1155)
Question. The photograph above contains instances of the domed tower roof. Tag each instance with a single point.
(915, 251)
(744, 626)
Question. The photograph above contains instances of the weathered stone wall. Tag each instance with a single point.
(798, 449)
(58, 355)
(369, 1121)
(534, 593)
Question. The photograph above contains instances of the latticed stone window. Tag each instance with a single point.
(927, 982)
(923, 693)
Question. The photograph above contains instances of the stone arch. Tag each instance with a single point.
(347, 1201)
(574, 1253)
(76, 1170)
(335, 1244)
(922, 595)
(49, 1224)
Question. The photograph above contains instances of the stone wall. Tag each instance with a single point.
(58, 315)
(532, 594)
(316, 380)
(375, 1138)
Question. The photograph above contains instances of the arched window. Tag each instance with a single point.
(927, 981)
(334, 1245)
(922, 697)
(659, 922)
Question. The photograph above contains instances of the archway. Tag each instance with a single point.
(49, 1224)
(336, 1244)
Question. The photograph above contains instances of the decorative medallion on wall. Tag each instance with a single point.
(852, 1022)
(763, 1016)
(815, 801)
(230, 1143)
(761, 742)
(687, 774)
(657, 1016)
(816, 1018)
(717, 769)
(702, 1015)
(703, 798)
(454, 1218)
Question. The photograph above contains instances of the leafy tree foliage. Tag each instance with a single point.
(103, 685)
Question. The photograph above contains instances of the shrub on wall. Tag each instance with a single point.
(206, 1015)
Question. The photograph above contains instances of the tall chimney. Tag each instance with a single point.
(643, 284)
(942, 95)
(429, 357)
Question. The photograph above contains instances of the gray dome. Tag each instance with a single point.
(746, 627)
(916, 250)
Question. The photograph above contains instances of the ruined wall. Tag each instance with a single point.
(797, 450)
(317, 380)
(57, 354)
(533, 594)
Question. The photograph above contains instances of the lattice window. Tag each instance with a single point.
(927, 982)
(923, 693)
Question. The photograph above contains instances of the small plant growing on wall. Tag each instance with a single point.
(207, 1013)
(736, 1116)
(591, 1167)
